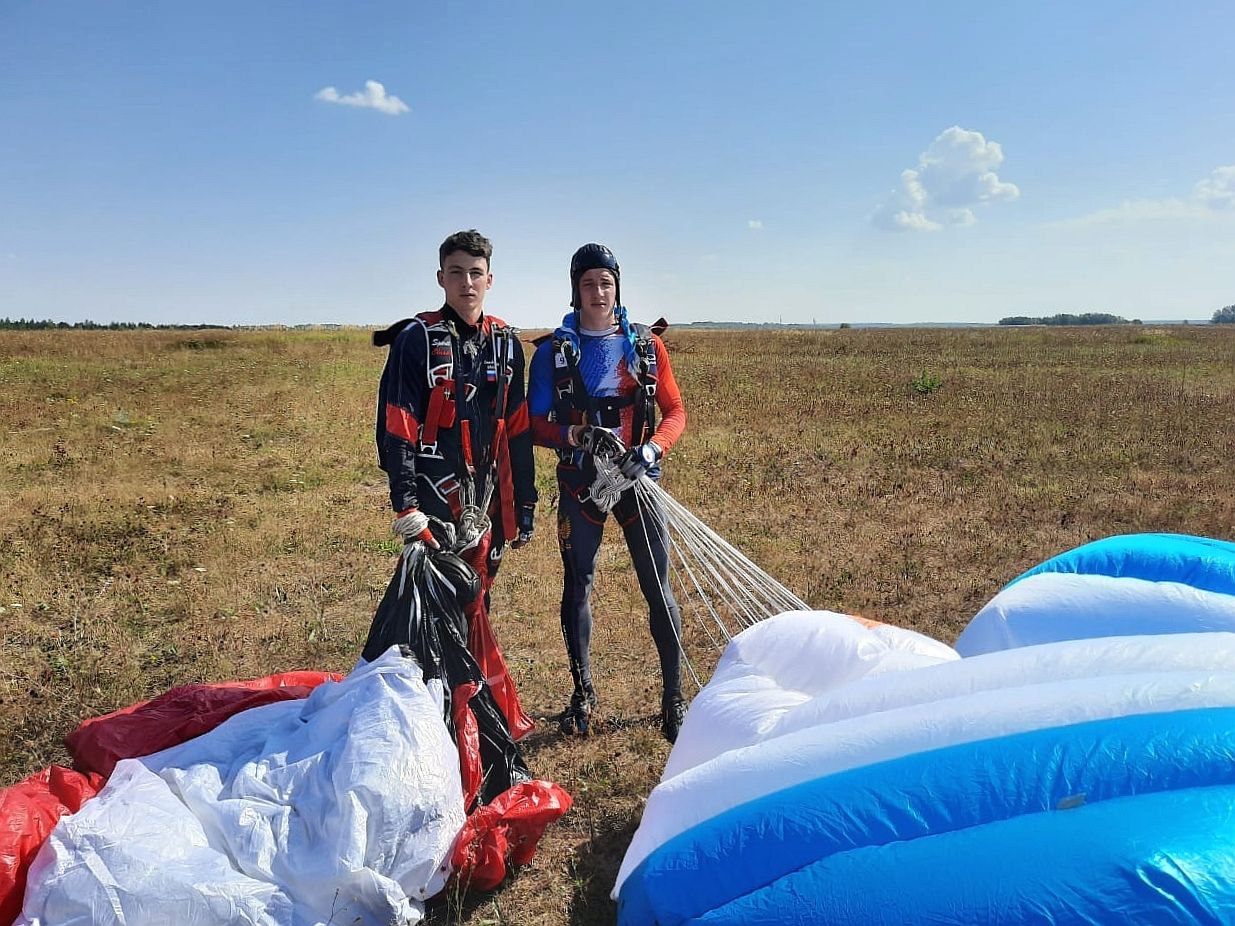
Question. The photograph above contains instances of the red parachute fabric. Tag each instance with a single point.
(482, 643)
(467, 741)
(507, 828)
(28, 813)
(179, 715)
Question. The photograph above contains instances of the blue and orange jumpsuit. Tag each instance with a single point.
(604, 362)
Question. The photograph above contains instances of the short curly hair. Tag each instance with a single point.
(470, 242)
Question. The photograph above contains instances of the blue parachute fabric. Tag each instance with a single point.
(1157, 859)
(742, 860)
(1201, 562)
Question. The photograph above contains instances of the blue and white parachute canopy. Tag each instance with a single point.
(828, 774)
(1134, 584)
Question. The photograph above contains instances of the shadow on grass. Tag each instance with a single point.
(606, 821)
(453, 906)
(600, 827)
(593, 868)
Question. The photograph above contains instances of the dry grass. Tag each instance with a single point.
(184, 507)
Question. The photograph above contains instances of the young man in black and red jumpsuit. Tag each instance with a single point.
(453, 434)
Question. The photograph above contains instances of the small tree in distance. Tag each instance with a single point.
(1225, 316)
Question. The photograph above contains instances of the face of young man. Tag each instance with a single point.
(597, 297)
(465, 279)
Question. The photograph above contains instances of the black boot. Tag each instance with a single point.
(577, 718)
(672, 713)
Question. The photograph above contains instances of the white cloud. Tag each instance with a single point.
(754, 224)
(955, 174)
(1214, 194)
(1137, 210)
(372, 97)
(1217, 191)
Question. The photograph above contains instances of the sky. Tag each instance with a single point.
(249, 163)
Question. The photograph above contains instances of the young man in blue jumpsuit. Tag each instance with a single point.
(596, 388)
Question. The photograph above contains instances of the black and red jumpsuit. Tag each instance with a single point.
(439, 430)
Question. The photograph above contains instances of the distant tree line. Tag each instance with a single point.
(1067, 318)
(1225, 315)
(30, 324)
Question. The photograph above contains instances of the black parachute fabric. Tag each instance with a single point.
(422, 612)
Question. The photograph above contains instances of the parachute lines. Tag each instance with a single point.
(731, 593)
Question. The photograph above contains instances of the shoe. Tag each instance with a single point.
(577, 718)
(671, 717)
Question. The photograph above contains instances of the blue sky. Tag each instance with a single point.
(874, 162)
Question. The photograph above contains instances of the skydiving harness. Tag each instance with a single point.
(574, 405)
(449, 397)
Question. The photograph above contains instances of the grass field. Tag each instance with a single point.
(197, 506)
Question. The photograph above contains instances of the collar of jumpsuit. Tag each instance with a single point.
(466, 331)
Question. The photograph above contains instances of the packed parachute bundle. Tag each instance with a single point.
(826, 775)
(344, 805)
(297, 799)
(422, 613)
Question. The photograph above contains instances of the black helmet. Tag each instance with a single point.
(593, 257)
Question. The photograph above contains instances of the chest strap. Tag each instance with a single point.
(441, 412)
(571, 395)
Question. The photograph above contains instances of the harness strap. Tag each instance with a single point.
(441, 366)
(503, 345)
(461, 417)
(570, 383)
(440, 414)
(645, 411)
(505, 480)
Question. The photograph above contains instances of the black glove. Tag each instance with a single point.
(638, 460)
(525, 517)
(599, 442)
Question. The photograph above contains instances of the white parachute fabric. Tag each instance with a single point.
(874, 718)
(1047, 607)
(135, 854)
(341, 808)
(762, 679)
(1129, 584)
